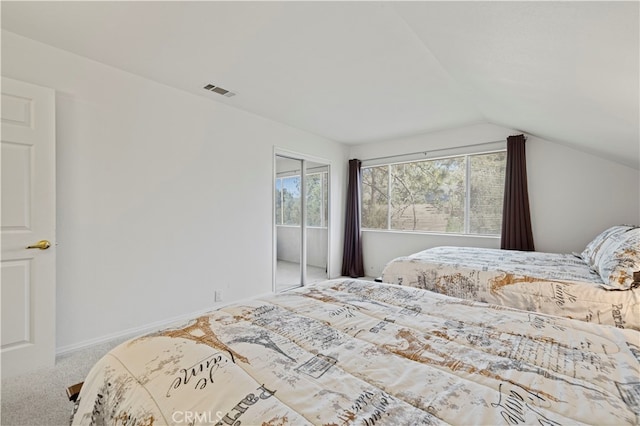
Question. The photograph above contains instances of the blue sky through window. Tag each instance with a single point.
(291, 184)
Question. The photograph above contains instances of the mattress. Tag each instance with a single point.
(551, 283)
(358, 352)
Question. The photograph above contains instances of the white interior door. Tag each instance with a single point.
(28, 281)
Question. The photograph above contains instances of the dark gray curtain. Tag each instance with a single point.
(516, 218)
(352, 264)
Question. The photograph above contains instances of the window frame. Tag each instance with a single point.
(467, 199)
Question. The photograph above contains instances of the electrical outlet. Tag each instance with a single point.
(217, 296)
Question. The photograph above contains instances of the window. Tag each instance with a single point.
(459, 194)
(288, 200)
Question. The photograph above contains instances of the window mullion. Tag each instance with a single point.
(389, 197)
(467, 195)
(321, 201)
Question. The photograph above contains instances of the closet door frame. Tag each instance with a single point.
(304, 158)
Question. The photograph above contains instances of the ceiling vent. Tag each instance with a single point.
(219, 90)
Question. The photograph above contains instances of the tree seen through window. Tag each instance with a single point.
(431, 195)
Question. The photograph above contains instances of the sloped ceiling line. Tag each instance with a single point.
(456, 85)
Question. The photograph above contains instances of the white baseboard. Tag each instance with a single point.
(129, 333)
(144, 329)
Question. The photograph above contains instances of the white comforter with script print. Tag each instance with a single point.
(348, 352)
(550, 283)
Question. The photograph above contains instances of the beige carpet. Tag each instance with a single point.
(39, 398)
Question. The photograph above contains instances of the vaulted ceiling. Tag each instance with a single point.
(358, 72)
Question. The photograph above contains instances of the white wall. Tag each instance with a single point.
(573, 195)
(162, 196)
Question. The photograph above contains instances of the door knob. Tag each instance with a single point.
(42, 245)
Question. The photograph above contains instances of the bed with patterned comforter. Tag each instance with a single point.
(345, 352)
(551, 283)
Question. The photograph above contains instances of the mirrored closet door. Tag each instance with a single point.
(301, 225)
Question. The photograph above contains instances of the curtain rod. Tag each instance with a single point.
(427, 151)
